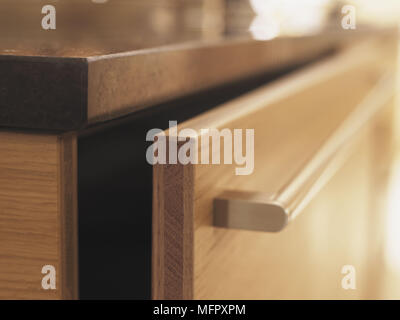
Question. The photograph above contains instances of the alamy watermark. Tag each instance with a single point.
(49, 20)
(49, 11)
(194, 147)
(349, 18)
(349, 280)
(49, 278)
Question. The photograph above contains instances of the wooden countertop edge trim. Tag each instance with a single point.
(67, 93)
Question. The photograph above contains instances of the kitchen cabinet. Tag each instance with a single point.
(77, 192)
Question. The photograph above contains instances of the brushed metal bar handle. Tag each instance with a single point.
(271, 213)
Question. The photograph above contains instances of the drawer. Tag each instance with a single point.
(285, 227)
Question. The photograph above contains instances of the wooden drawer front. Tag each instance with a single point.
(292, 118)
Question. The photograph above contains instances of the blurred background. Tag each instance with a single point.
(106, 26)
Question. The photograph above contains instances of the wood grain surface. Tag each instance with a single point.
(173, 225)
(291, 118)
(37, 214)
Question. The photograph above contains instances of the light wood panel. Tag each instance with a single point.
(37, 214)
(271, 213)
(291, 119)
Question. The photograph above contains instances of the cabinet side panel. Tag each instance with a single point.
(31, 208)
